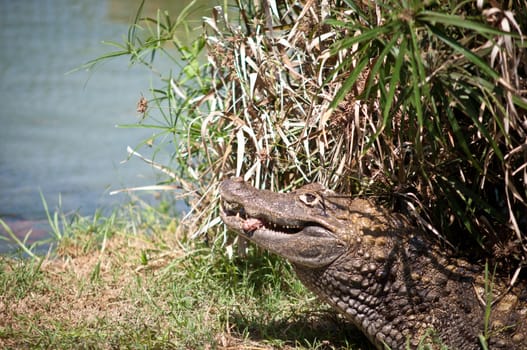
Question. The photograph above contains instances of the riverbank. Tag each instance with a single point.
(139, 283)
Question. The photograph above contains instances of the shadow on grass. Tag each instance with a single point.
(318, 329)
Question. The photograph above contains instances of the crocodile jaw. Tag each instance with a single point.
(303, 243)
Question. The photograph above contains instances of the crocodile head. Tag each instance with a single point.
(311, 227)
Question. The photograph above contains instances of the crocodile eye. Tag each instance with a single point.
(309, 199)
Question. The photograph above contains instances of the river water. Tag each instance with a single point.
(58, 133)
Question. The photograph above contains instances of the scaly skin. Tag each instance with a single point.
(393, 283)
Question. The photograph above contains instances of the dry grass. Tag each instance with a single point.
(74, 291)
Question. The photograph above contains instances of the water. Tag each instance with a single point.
(57, 130)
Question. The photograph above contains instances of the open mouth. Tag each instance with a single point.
(236, 215)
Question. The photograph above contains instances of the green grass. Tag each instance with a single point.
(155, 289)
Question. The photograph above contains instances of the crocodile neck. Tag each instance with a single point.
(377, 269)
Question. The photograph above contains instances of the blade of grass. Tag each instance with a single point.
(415, 100)
(395, 83)
(476, 60)
(349, 82)
(12, 235)
(53, 222)
(379, 62)
(432, 18)
(367, 36)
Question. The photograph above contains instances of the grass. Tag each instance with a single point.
(155, 289)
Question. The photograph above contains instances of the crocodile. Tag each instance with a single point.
(397, 285)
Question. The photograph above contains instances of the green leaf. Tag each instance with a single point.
(395, 82)
(350, 82)
(432, 18)
(368, 35)
(379, 62)
(520, 101)
(478, 61)
(418, 82)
